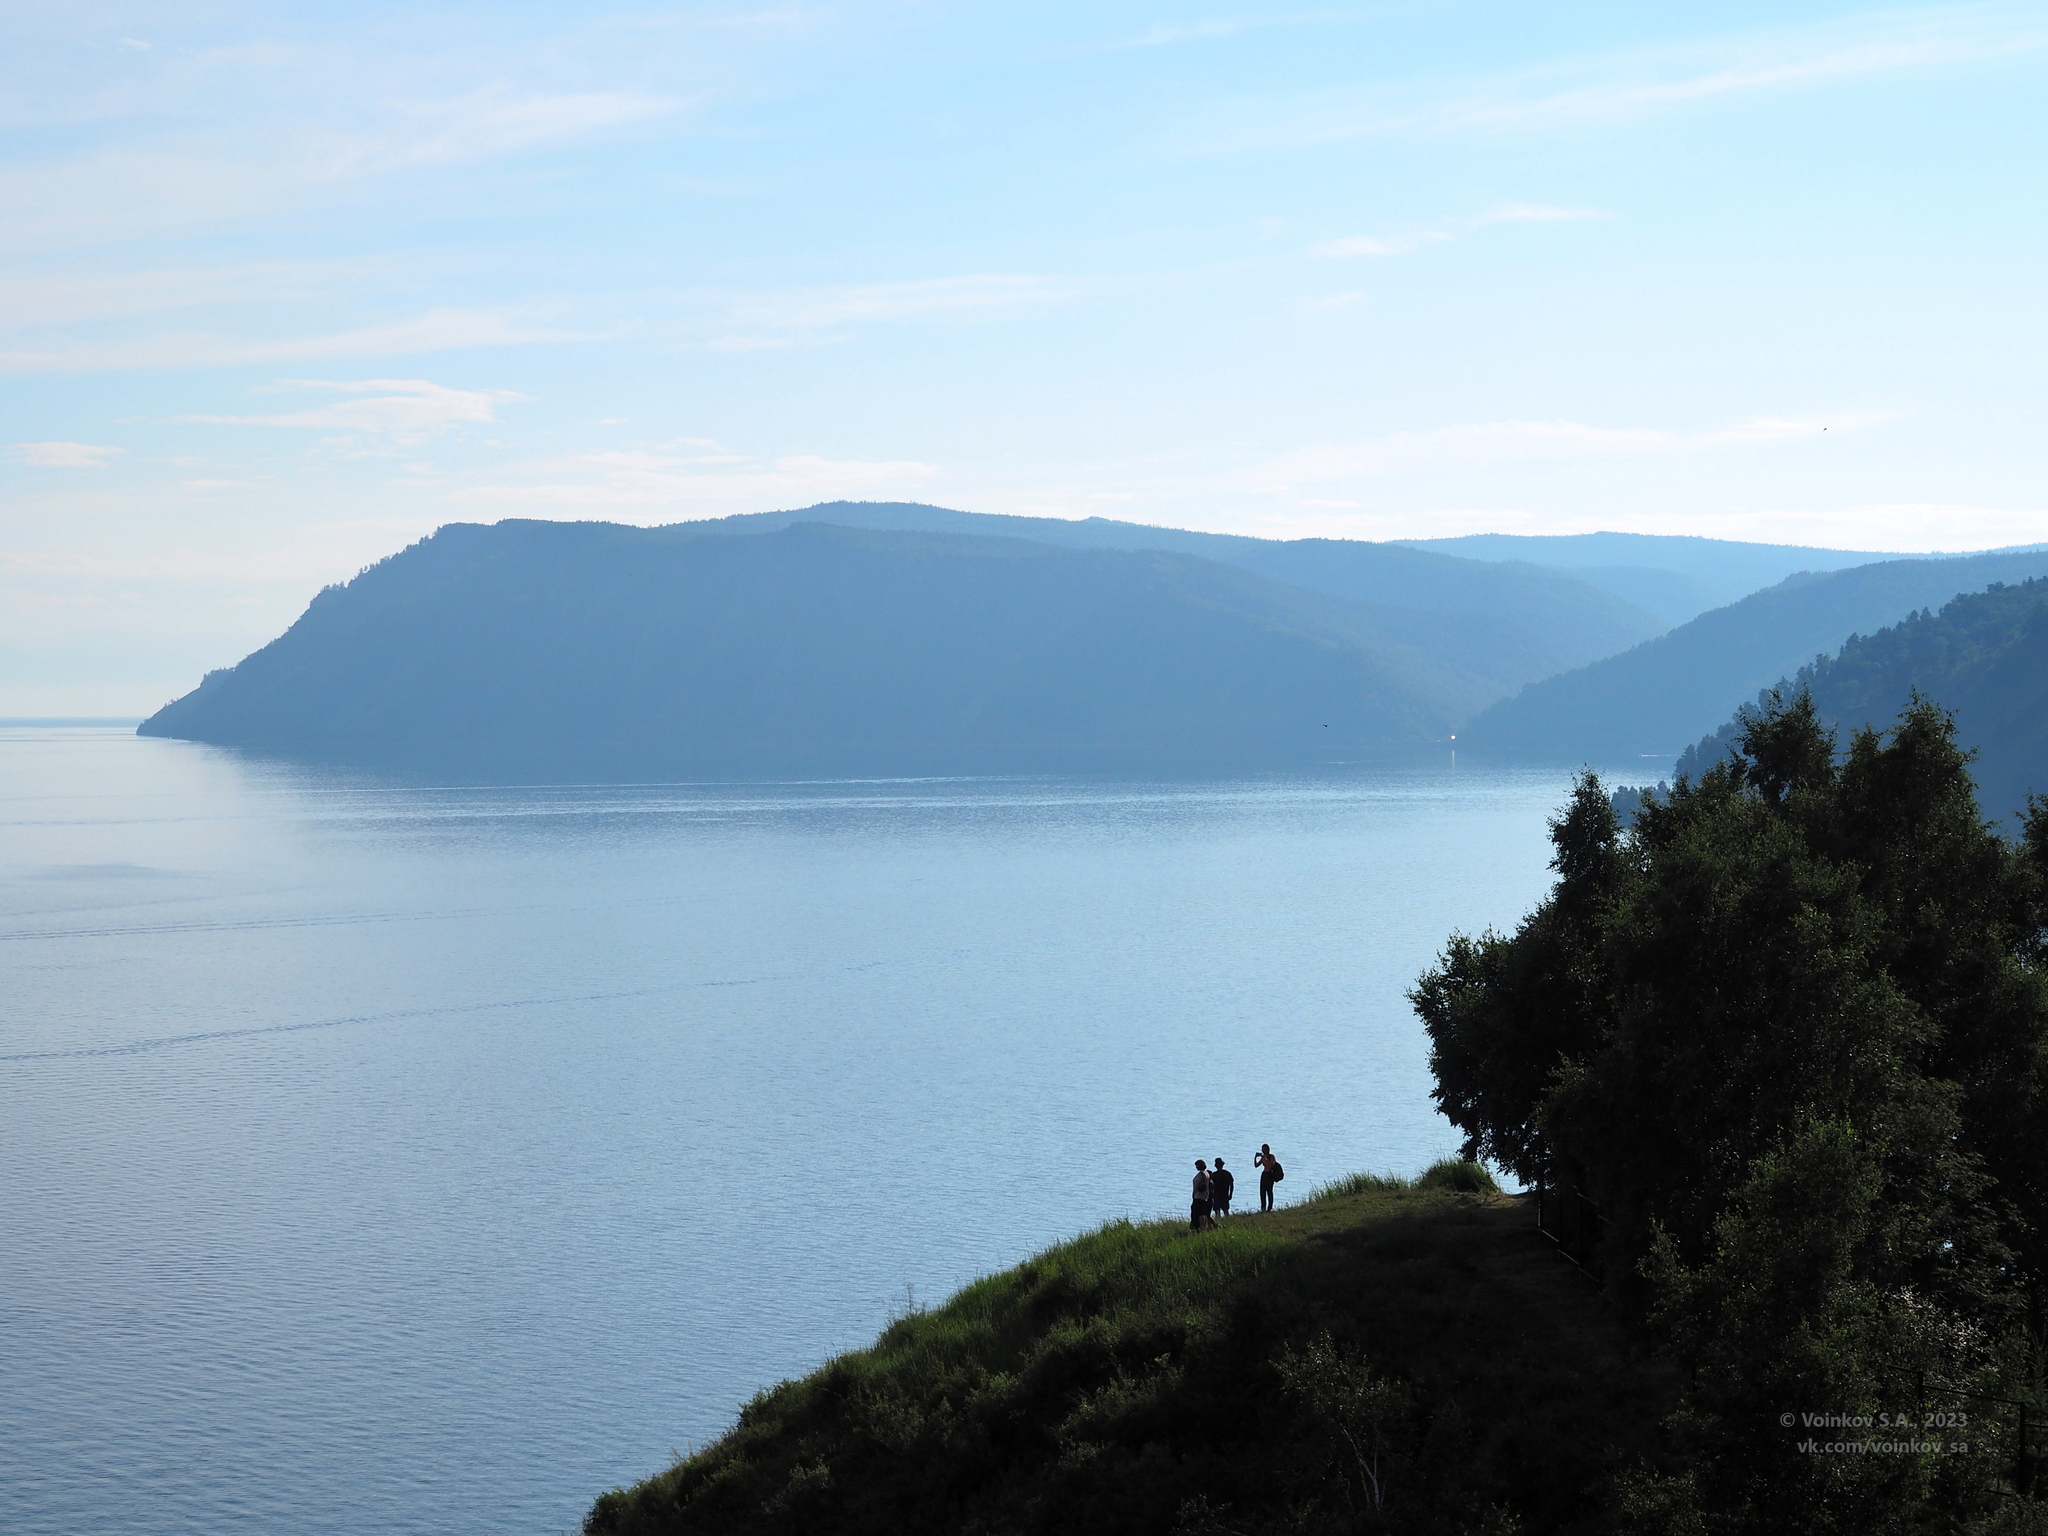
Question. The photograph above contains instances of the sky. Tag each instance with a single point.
(283, 288)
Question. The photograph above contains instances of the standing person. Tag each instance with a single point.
(1199, 1213)
(1270, 1173)
(1221, 1182)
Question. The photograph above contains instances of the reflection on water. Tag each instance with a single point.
(404, 1160)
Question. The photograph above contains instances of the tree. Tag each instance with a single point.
(1790, 1032)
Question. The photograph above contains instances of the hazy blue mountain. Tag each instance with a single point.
(561, 651)
(1534, 622)
(1672, 596)
(1672, 690)
(1675, 576)
(1984, 656)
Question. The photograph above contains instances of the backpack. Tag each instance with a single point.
(1273, 1167)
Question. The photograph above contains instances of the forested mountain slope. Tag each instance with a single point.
(1984, 657)
(1669, 691)
(1531, 622)
(550, 651)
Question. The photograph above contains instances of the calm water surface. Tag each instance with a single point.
(391, 1160)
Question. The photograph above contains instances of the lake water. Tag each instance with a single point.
(387, 1160)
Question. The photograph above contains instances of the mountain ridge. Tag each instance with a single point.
(550, 650)
(1984, 657)
(1660, 695)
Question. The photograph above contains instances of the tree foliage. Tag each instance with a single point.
(1789, 1033)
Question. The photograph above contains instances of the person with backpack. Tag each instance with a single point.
(1221, 1182)
(1199, 1213)
(1270, 1173)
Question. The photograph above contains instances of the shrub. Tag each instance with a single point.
(1458, 1174)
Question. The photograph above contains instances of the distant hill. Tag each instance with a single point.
(1530, 622)
(1669, 691)
(1675, 576)
(542, 652)
(1984, 657)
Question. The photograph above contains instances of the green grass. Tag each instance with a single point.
(1449, 1173)
(1128, 1382)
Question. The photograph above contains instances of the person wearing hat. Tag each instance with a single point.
(1221, 1182)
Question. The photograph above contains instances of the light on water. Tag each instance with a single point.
(419, 1160)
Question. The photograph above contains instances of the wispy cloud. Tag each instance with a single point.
(1407, 242)
(1168, 33)
(1213, 29)
(785, 317)
(1380, 245)
(440, 330)
(1509, 441)
(1618, 87)
(162, 183)
(73, 294)
(494, 121)
(1536, 213)
(403, 409)
(64, 455)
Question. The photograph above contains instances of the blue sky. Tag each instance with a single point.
(283, 288)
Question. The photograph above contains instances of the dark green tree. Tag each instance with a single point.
(1789, 1032)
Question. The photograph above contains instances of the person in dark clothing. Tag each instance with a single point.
(1221, 1182)
(1198, 1214)
(1269, 1174)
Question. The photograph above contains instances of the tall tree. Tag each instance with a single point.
(1789, 1033)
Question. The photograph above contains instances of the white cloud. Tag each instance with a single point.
(785, 317)
(1421, 239)
(1920, 44)
(164, 182)
(71, 294)
(64, 455)
(1215, 29)
(1620, 87)
(485, 123)
(440, 330)
(405, 409)
(1379, 245)
(1536, 213)
(1512, 441)
(1187, 32)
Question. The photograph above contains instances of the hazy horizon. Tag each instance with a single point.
(287, 286)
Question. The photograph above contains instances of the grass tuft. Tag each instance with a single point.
(1362, 1184)
(1465, 1178)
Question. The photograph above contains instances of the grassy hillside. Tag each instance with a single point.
(1137, 1380)
(1670, 691)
